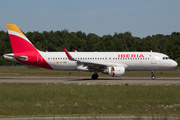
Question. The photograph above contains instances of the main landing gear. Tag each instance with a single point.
(94, 76)
(153, 77)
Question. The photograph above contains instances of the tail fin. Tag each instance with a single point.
(24, 50)
(19, 41)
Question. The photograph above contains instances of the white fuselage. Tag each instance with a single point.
(130, 60)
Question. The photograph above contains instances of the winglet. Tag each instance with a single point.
(68, 55)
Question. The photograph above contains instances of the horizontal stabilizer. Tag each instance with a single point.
(22, 58)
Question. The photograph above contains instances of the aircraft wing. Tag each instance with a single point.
(93, 65)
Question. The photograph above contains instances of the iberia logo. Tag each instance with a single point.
(130, 56)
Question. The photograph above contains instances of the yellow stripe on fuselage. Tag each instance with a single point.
(13, 27)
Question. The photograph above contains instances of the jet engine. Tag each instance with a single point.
(116, 71)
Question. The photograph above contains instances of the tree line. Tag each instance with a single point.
(55, 41)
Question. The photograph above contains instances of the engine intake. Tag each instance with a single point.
(116, 71)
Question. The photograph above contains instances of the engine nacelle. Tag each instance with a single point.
(116, 71)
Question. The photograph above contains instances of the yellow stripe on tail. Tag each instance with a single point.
(13, 27)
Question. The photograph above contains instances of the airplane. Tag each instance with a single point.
(112, 63)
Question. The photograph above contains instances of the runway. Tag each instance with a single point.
(97, 118)
(106, 80)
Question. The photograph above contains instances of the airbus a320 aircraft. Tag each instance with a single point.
(112, 63)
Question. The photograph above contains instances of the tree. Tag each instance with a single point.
(55, 41)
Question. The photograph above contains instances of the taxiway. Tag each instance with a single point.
(107, 80)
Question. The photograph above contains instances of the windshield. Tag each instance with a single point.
(166, 58)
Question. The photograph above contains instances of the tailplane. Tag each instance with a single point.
(23, 50)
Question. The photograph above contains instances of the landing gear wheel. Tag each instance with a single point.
(94, 76)
(152, 73)
(153, 77)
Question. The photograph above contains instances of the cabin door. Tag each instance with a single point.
(153, 60)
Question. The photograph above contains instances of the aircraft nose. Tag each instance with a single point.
(174, 63)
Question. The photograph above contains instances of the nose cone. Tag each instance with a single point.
(174, 64)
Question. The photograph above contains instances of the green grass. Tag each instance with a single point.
(39, 72)
(22, 99)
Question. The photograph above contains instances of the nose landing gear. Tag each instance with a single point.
(153, 77)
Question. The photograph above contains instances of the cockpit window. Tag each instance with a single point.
(166, 58)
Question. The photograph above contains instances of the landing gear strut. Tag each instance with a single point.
(153, 77)
(94, 76)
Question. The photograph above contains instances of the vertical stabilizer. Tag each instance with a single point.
(23, 50)
(19, 41)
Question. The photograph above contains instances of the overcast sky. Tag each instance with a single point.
(102, 17)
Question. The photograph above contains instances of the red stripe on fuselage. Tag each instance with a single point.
(22, 47)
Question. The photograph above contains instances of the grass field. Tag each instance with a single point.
(77, 100)
(24, 99)
(40, 72)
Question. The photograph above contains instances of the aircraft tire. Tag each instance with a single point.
(153, 77)
(94, 76)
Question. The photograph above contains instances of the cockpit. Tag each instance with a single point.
(166, 58)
